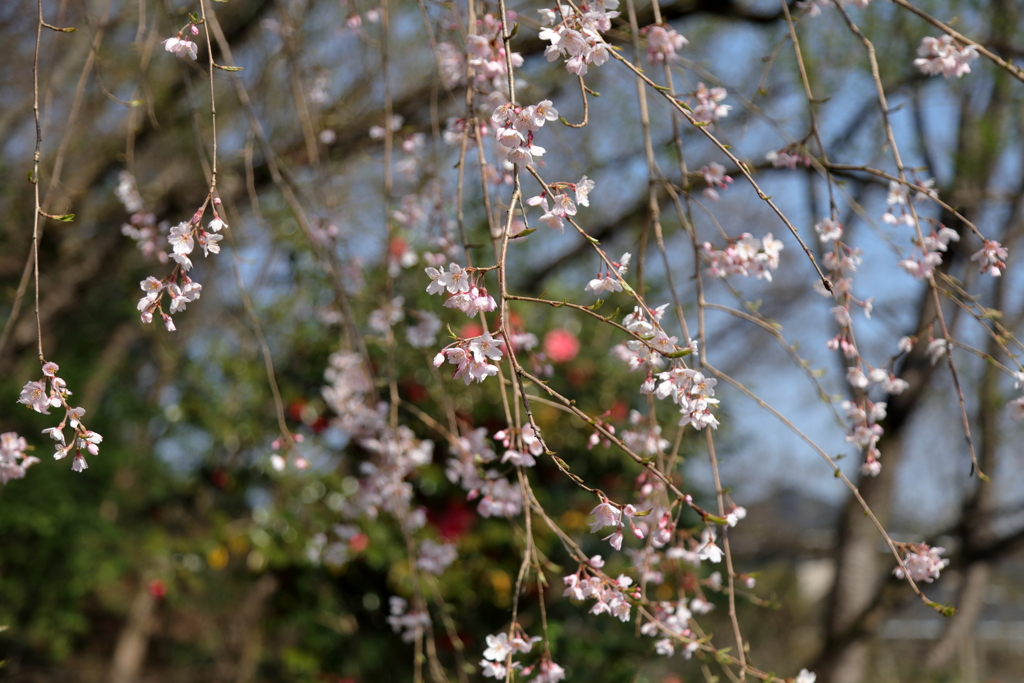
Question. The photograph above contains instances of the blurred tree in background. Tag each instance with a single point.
(242, 523)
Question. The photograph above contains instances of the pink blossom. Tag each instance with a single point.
(662, 43)
(944, 56)
(33, 394)
(924, 564)
(991, 258)
(605, 514)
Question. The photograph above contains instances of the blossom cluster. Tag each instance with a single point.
(334, 554)
(944, 56)
(471, 357)
(522, 445)
(610, 280)
(864, 431)
(745, 256)
(921, 264)
(405, 621)
(899, 199)
(486, 52)
(497, 659)
(646, 350)
(142, 226)
(577, 36)
(348, 395)
(14, 462)
(181, 46)
(606, 514)
(788, 157)
(498, 497)
(714, 175)
(644, 437)
(178, 286)
(663, 42)
(922, 563)
(562, 206)
(991, 258)
(515, 127)
(434, 557)
(692, 392)
(456, 280)
(672, 618)
(39, 398)
(611, 597)
(708, 108)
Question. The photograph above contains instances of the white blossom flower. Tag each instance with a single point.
(181, 47)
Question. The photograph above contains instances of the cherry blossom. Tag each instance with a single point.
(922, 563)
(864, 431)
(14, 462)
(991, 258)
(745, 256)
(493, 669)
(410, 623)
(806, 676)
(180, 47)
(424, 333)
(515, 127)
(899, 198)
(498, 648)
(605, 514)
(693, 393)
(929, 255)
(486, 54)
(788, 157)
(435, 557)
(610, 596)
(1016, 409)
(943, 55)
(583, 188)
(662, 43)
(577, 37)
(829, 230)
(708, 550)
(395, 123)
(603, 284)
(714, 176)
(708, 109)
(35, 395)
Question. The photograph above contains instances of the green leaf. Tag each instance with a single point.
(228, 68)
(65, 218)
(678, 354)
(524, 233)
(514, 31)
